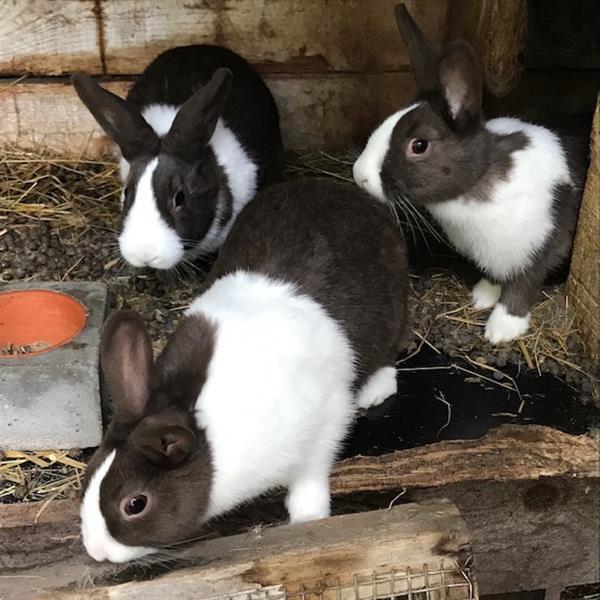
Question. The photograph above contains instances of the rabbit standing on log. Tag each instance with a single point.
(301, 320)
(199, 135)
(505, 192)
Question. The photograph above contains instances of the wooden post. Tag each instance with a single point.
(583, 285)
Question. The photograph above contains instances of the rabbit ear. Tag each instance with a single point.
(196, 120)
(126, 359)
(460, 76)
(422, 55)
(122, 122)
(163, 440)
(182, 368)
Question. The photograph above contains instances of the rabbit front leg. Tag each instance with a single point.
(510, 317)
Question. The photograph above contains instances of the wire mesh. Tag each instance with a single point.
(442, 582)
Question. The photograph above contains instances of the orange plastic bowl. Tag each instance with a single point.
(41, 320)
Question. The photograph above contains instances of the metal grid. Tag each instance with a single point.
(443, 582)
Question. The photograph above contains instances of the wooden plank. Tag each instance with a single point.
(328, 112)
(508, 453)
(497, 29)
(318, 555)
(583, 285)
(48, 37)
(51, 37)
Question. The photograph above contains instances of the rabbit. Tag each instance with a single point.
(505, 192)
(199, 135)
(298, 325)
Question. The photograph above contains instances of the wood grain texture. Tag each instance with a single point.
(583, 286)
(497, 29)
(283, 558)
(52, 37)
(328, 112)
(529, 535)
(46, 37)
(508, 453)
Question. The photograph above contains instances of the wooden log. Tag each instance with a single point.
(529, 535)
(328, 112)
(583, 285)
(508, 453)
(45, 37)
(48, 37)
(497, 29)
(332, 555)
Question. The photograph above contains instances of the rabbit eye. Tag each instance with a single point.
(178, 199)
(135, 505)
(419, 146)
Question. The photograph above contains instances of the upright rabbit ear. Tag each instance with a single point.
(460, 76)
(422, 54)
(196, 120)
(126, 359)
(182, 368)
(122, 122)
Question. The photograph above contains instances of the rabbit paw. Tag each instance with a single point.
(485, 294)
(381, 385)
(307, 500)
(504, 327)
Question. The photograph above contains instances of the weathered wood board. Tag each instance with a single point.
(317, 111)
(49, 37)
(45, 37)
(324, 554)
(583, 287)
(287, 36)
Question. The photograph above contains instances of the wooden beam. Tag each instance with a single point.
(497, 30)
(317, 111)
(583, 285)
(508, 453)
(116, 37)
(333, 555)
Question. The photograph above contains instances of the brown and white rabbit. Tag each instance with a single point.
(199, 135)
(300, 323)
(505, 192)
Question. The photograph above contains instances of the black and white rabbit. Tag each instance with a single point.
(505, 192)
(199, 135)
(299, 324)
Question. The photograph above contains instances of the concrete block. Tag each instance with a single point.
(53, 400)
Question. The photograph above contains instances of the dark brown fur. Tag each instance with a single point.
(338, 246)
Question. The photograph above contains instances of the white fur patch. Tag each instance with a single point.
(504, 327)
(277, 401)
(485, 294)
(241, 174)
(147, 240)
(98, 542)
(503, 233)
(367, 168)
(160, 117)
(380, 385)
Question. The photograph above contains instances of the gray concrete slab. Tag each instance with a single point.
(52, 400)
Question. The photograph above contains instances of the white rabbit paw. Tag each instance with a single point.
(504, 327)
(308, 500)
(485, 294)
(381, 385)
